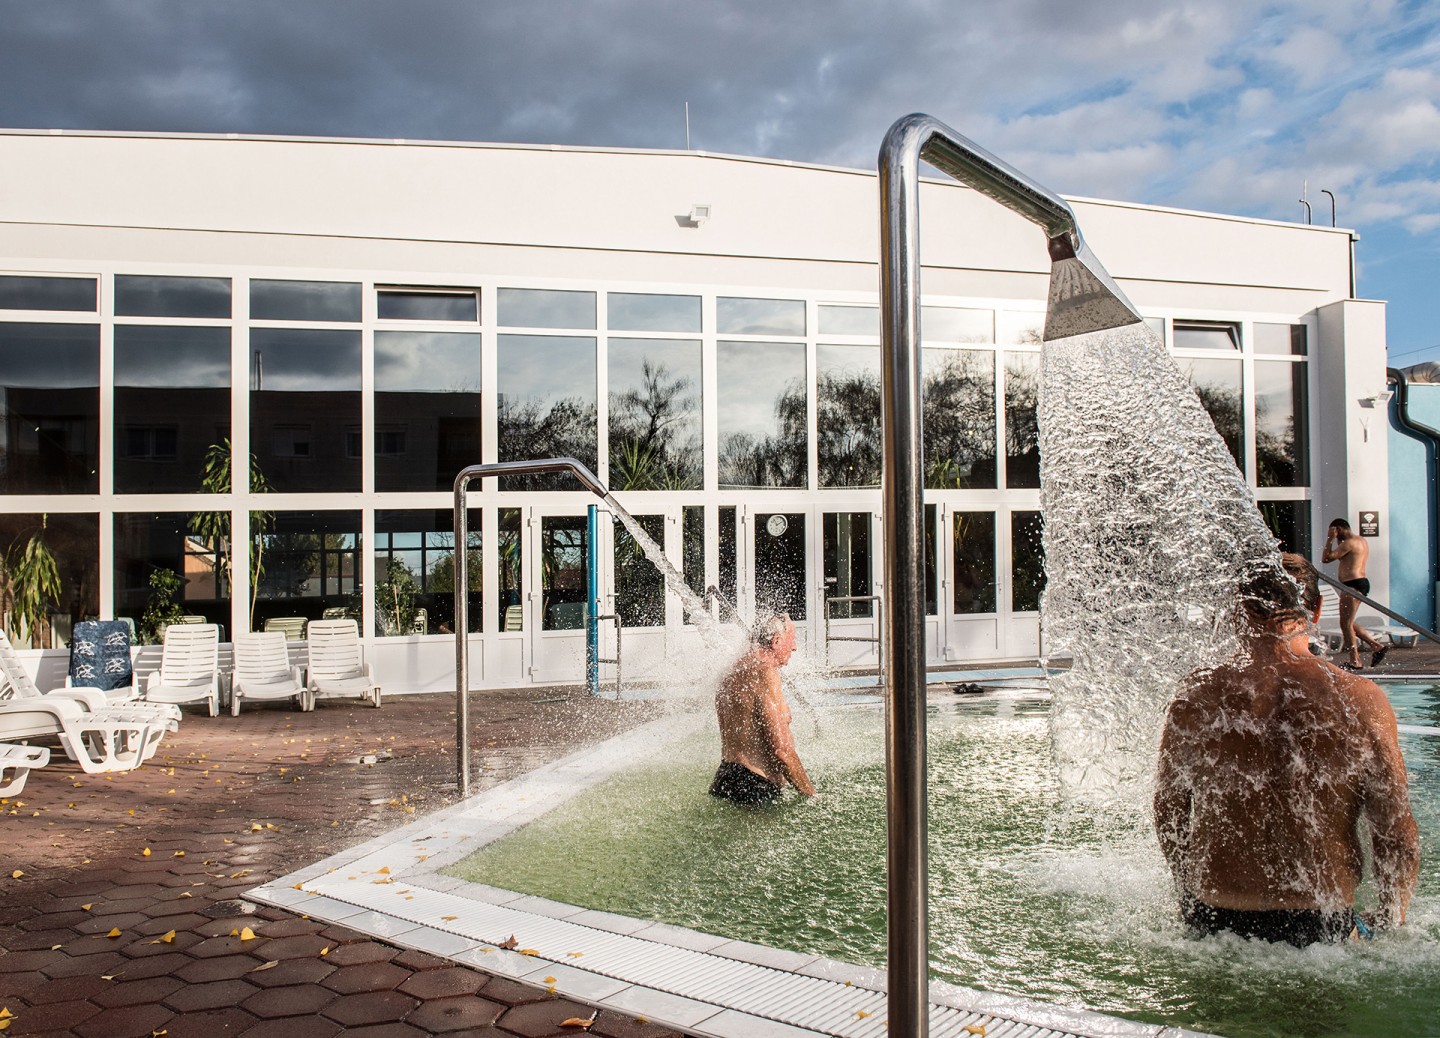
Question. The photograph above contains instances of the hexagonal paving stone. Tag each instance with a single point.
(376, 1007)
(160, 965)
(368, 976)
(444, 983)
(542, 1018)
(617, 1025)
(456, 1014)
(215, 994)
(362, 951)
(104, 961)
(125, 1022)
(136, 992)
(226, 967)
(295, 1027)
(217, 1023)
(58, 1016)
(294, 1000)
(62, 990)
(292, 971)
(298, 946)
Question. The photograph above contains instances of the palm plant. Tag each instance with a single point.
(34, 586)
(214, 527)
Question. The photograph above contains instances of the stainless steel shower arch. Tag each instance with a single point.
(462, 585)
(1082, 298)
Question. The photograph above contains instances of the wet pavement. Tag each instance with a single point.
(121, 910)
(120, 898)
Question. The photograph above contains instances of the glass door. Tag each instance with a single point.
(1021, 603)
(555, 595)
(848, 541)
(968, 590)
(780, 560)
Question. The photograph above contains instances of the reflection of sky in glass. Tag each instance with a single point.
(427, 362)
(634, 312)
(1219, 376)
(49, 356)
(848, 362)
(546, 368)
(304, 301)
(401, 305)
(159, 358)
(1275, 403)
(139, 296)
(546, 308)
(1281, 339)
(44, 293)
(760, 316)
(849, 320)
(1205, 337)
(751, 376)
(296, 360)
(1017, 328)
(955, 324)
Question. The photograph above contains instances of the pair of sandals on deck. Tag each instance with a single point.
(1376, 658)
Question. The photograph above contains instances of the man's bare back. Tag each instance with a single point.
(755, 732)
(1350, 550)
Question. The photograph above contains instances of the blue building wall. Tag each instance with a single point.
(1413, 507)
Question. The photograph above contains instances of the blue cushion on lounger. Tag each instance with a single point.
(100, 655)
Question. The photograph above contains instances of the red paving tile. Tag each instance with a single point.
(206, 983)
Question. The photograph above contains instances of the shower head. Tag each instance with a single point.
(1083, 297)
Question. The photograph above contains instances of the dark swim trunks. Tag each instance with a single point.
(1299, 926)
(739, 785)
(1360, 584)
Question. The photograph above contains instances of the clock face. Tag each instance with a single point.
(776, 525)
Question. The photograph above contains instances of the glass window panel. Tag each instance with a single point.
(1022, 424)
(546, 405)
(1156, 325)
(1286, 340)
(951, 324)
(21, 292)
(415, 572)
(510, 613)
(760, 316)
(172, 404)
(309, 565)
(726, 552)
(692, 550)
(847, 383)
(780, 563)
(1019, 328)
(397, 304)
(932, 565)
(638, 312)
(655, 418)
(1217, 384)
(973, 548)
(1289, 521)
(846, 549)
(1200, 336)
(958, 404)
(427, 408)
(73, 541)
(762, 414)
(850, 320)
(304, 301)
(546, 308)
(1027, 561)
(564, 548)
(49, 408)
(1282, 418)
(192, 547)
(639, 586)
(142, 296)
(305, 407)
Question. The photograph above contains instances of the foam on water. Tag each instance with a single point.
(1149, 526)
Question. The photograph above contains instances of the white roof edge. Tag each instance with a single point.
(609, 150)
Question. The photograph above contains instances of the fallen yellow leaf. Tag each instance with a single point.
(579, 1021)
(4, 1025)
(88, 907)
(5, 1014)
(179, 854)
(266, 966)
(169, 937)
(16, 874)
(247, 934)
(509, 944)
(383, 870)
(861, 1014)
(976, 1029)
(146, 852)
(550, 980)
(528, 951)
(187, 894)
(449, 918)
(325, 950)
(114, 932)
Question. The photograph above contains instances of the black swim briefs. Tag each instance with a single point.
(1296, 926)
(1360, 584)
(739, 785)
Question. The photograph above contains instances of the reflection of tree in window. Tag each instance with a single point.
(639, 587)
(1027, 561)
(1217, 384)
(958, 395)
(692, 550)
(847, 420)
(1280, 419)
(1022, 424)
(563, 556)
(415, 572)
(563, 428)
(1289, 521)
(973, 550)
(511, 553)
(546, 405)
(655, 431)
(776, 460)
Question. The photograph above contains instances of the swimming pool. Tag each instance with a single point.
(1025, 899)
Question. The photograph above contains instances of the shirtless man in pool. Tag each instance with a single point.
(757, 748)
(1352, 552)
(1268, 764)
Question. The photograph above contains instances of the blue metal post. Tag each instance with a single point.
(592, 600)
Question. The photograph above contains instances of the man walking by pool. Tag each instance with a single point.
(757, 747)
(1352, 552)
(1268, 764)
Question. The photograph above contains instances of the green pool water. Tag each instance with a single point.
(1025, 899)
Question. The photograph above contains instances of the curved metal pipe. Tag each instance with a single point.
(462, 585)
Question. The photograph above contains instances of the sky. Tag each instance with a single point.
(1225, 105)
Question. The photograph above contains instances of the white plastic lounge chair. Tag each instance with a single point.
(292, 627)
(111, 738)
(16, 763)
(337, 664)
(17, 685)
(262, 671)
(189, 667)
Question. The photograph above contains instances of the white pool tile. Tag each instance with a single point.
(437, 942)
(575, 983)
(544, 906)
(760, 955)
(679, 937)
(498, 961)
(608, 921)
(661, 1006)
(381, 924)
(845, 973)
(732, 1024)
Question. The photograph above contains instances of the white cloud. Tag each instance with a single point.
(1311, 55)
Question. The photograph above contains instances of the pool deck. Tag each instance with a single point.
(230, 805)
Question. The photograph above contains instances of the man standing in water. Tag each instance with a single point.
(1268, 764)
(757, 748)
(1352, 552)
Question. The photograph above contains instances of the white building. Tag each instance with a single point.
(367, 317)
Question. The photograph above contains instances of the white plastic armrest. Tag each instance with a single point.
(89, 698)
(295, 676)
(152, 680)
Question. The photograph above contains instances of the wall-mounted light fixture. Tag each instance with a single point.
(698, 215)
(1379, 399)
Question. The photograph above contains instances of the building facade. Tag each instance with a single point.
(258, 364)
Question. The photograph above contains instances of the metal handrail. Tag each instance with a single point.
(618, 651)
(1404, 620)
(878, 640)
(462, 585)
